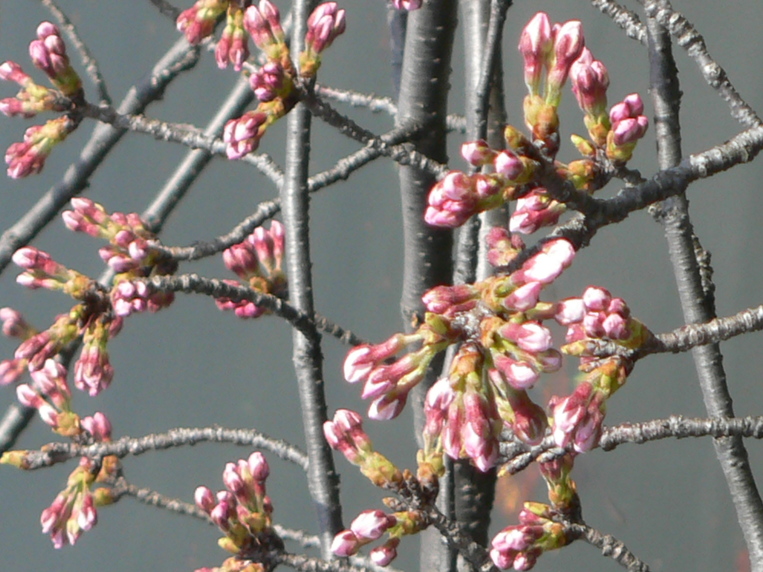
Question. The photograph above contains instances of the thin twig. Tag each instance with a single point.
(692, 41)
(626, 19)
(184, 134)
(166, 9)
(303, 322)
(610, 546)
(54, 453)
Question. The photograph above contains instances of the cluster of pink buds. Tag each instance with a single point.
(258, 262)
(199, 21)
(28, 156)
(243, 510)
(325, 23)
(73, 510)
(131, 245)
(551, 54)
(32, 99)
(41, 271)
(629, 124)
(458, 196)
(408, 5)
(519, 546)
(461, 413)
(50, 395)
(345, 434)
(135, 296)
(590, 80)
(548, 52)
(242, 135)
(263, 22)
(233, 45)
(591, 319)
(388, 382)
(274, 82)
(93, 372)
(597, 315)
(48, 54)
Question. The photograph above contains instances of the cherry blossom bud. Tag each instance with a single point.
(478, 153)
(568, 45)
(242, 136)
(371, 524)
(233, 44)
(263, 22)
(590, 81)
(345, 544)
(198, 21)
(535, 45)
(408, 5)
(386, 553)
(28, 157)
(325, 23)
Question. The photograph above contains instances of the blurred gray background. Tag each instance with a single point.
(192, 365)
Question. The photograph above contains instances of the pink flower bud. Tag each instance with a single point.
(568, 45)
(509, 165)
(371, 524)
(387, 552)
(345, 544)
(535, 44)
(204, 499)
(242, 136)
(477, 153)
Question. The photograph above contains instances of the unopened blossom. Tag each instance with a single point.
(452, 201)
(45, 345)
(93, 372)
(628, 126)
(198, 21)
(324, 24)
(578, 418)
(28, 156)
(14, 324)
(535, 44)
(568, 45)
(534, 211)
(32, 99)
(345, 543)
(48, 53)
(383, 555)
(233, 43)
(242, 136)
(478, 153)
(546, 266)
(519, 546)
(345, 434)
(371, 524)
(263, 22)
(270, 81)
(408, 5)
(41, 271)
(135, 296)
(98, 425)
